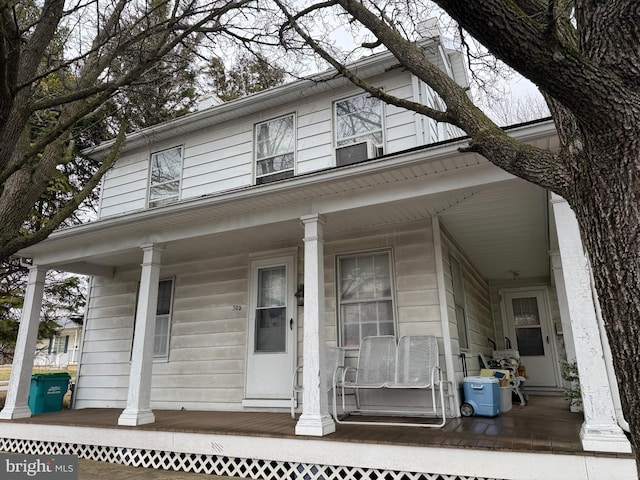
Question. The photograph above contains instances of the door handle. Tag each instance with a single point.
(547, 339)
(291, 324)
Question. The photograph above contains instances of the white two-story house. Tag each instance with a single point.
(237, 242)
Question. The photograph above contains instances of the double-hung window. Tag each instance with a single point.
(459, 302)
(163, 319)
(59, 344)
(358, 119)
(164, 310)
(275, 149)
(164, 179)
(365, 297)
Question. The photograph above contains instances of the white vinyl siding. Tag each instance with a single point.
(205, 367)
(218, 160)
(206, 363)
(477, 305)
(222, 157)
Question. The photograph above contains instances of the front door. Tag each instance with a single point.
(528, 327)
(271, 335)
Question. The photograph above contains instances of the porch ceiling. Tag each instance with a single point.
(502, 227)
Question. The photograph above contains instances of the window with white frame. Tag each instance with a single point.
(163, 319)
(59, 344)
(164, 311)
(165, 175)
(365, 296)
(459, 303)
(275, 149)
(358, 119)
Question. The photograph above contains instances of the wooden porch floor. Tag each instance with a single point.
(545, 425)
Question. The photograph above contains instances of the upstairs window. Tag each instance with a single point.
(365, 297)
(166, 172)
(275, 149)
(358, 119)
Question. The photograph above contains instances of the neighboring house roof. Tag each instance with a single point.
(70, 322)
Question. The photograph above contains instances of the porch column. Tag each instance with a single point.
(600, 430)
(138, 411)
(16, 404)
(315, 419)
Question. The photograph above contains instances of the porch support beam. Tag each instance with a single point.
(315, 419)
(138, 410)
(600, 430)
(16, 403)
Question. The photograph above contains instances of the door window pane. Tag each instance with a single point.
(271, 330)
(528, 328)
(530, 341)
(525, 312)
(271, 312)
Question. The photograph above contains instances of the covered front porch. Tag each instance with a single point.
(420, 210)
(538, 441)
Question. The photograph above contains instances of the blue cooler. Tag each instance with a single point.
(481, 397)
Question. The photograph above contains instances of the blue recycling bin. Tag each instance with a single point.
(47, 391)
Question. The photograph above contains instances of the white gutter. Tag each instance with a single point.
(81, 343)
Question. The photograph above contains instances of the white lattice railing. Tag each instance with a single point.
(215, 464)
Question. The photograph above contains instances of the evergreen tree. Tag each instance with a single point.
(251, 73)
(64, 296)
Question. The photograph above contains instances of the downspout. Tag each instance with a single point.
(454, 401)
(419, 119)
(81, 348)
(606, 350)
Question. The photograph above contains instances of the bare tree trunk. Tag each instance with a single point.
(605, 201)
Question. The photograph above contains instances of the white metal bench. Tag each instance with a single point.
(334, 357)
(411, 364)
